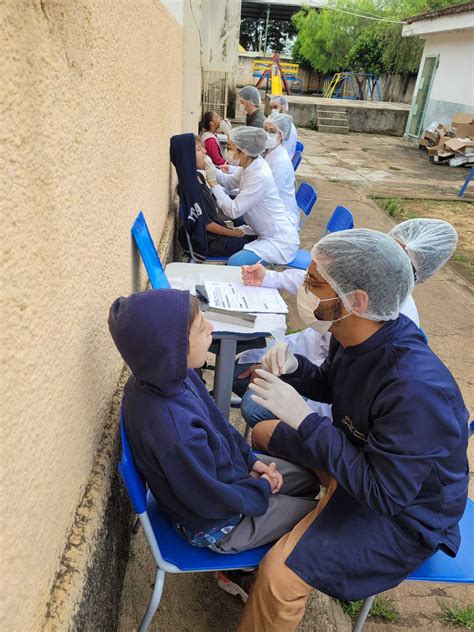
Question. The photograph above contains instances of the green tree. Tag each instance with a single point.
(330, 40)
(280, 35)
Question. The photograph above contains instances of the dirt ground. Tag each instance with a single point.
(346, 170)
(457, 212)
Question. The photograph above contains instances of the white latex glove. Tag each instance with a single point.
(279, 360)
(247, 230)
(280, 398)
(211, 171)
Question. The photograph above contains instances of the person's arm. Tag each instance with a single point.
(290, 280)
(190, 470)
(230, 181)
(413, 426)
(248, 197)
(213, 152)
(310, 380)
(217, 229)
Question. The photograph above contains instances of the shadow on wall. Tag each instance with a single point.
(136, 268)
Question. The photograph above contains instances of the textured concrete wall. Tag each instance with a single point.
(93, 91)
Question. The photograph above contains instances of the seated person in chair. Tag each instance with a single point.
(201, 471)
(222, 240)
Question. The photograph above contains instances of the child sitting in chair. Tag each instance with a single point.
(201, 471)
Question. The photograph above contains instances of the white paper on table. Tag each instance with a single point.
(273, 324)
(242, 298)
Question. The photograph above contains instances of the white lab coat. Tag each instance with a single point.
(262, 209)
(290, 143)
(308, 343)
(284, 176)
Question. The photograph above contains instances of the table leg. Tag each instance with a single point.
(224, 375)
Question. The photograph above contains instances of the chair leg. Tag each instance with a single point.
(154, 601)
(246, 433)
(366, 606)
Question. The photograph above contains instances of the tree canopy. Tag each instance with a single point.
(280, 35)
(332, 40)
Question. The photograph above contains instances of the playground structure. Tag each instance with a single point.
(280, 73)
(358, 86)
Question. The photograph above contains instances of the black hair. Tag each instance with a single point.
(206, 122)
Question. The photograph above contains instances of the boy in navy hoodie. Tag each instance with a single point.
(199, 468)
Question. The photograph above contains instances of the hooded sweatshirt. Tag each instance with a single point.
(195, 463)
(183, 157)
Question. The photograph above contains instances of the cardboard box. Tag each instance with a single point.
(462, 118)
(459, 145)
(432, 136)
(424, 142)
(434, 151)
(463, 123)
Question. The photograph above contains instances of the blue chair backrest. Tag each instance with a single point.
(425, 337)
(341, 219)
(306, 197)
(150, 257)
(132, 479)
(299, 146)
(296, 159)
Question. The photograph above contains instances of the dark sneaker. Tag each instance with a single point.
(236, 582)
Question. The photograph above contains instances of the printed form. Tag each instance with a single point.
(243, 298)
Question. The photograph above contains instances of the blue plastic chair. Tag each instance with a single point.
(299, 146)
(148, 253)
(191, 256)
(341, 219)
(170, 550)
(295, 161)
(425, 337)
(440, 567)
(306, 197)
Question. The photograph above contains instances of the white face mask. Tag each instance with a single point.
(272, 141)
(307, 303)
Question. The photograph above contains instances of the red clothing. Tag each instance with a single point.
(213, 150)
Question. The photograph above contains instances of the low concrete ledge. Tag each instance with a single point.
(371, 117)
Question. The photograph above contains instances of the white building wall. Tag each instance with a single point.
(453, 85)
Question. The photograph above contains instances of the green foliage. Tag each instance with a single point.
(381, 609)
(280, 35)
(456, 615)
(331, 41)
(391, 206)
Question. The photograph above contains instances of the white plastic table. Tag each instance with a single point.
(186, 276)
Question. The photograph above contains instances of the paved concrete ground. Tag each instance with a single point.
(344, 171)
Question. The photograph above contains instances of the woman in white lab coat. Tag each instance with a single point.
(277, 127)
(280, 104)
(257, 202)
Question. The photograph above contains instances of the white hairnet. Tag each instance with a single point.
(250, 93)
(282, 101)
(251, 140)
(282, 122)
(428, 242)
(363, 259)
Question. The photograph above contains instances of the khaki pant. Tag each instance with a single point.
(278, 598)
